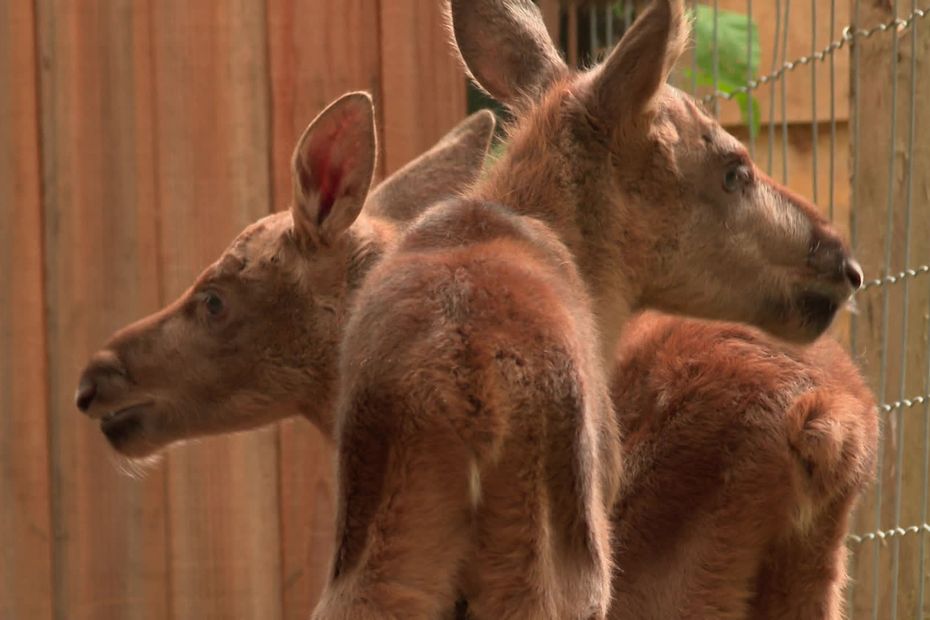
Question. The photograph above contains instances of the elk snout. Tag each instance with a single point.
(833, 265)
(87, 389)
(853, 273)
(103, 376)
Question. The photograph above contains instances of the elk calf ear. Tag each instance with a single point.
(332, 168)
(445, 170)
(505, 47)
(630, 78)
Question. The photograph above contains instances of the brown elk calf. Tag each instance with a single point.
(743, 459)
(255, 338)
(478, 453)
(148, 374)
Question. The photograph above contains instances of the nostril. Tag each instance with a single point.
(853, 273)
(85, 393)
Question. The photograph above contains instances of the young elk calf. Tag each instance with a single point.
(477, 447)
(743, 459)
(255, 338)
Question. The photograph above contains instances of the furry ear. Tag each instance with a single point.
(631, 77)
(445, 170)
(332, 168)
(505, 47)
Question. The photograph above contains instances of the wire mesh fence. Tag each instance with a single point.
(827, 96)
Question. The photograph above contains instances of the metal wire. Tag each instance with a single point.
(886, 312)
(771, 127)
(897, 532)
(814, 132)
(784, 97)
(715, 60)
(905, 403)
(749, 75)
(848, 36)
(854, 196)
(832, 199)
(853, 221)
(902, 379)
(912, 272)
(922, 551)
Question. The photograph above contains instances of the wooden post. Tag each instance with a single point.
(100, 257)
(894, 350)
(25, 528)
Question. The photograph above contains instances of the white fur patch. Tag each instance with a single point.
(474, 484)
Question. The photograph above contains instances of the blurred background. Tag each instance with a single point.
(137, 137)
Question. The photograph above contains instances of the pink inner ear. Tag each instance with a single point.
(331, 158)
(328, 176)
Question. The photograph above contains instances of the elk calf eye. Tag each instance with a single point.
(213, 304)
(734, 178)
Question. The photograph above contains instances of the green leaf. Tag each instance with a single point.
(754, 121)
(737, 45)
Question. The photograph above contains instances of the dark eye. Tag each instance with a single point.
(735, 177)
(213, 304)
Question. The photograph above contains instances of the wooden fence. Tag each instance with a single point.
(137, 137)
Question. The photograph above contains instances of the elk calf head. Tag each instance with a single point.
(667, 207)
(255, 338)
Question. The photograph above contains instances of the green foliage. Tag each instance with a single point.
(737, 56)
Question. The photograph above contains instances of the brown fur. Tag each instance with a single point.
(743, 459)
(477, 451)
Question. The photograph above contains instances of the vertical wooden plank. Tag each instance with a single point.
(423, 85)
(318, 51)
(100, 251)
(211, 99)
(904, 351)
(25, 528)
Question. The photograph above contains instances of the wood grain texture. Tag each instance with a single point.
(100, 256)
(211, 106)
(318, 51)
(424, 85)
(308, 512)
(25, 527)
(903, 350)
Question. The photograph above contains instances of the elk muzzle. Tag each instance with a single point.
(831, 262)
(104, 392)
(103, 378)
(833, 275)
